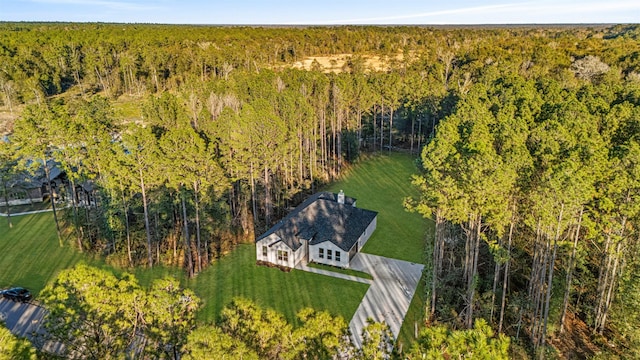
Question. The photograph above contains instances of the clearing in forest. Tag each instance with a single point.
(340, 62)
(380, 182)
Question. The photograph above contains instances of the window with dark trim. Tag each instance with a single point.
(264, 251)
(328, 254)
(337, 255)
(283, 255)
(321, 253)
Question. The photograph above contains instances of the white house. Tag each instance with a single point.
(326, 228)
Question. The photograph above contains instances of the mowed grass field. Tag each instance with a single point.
(287, 293)
(31, 256)
(380, 183)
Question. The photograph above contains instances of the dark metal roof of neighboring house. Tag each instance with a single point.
(27, 180)
(321, 218)
(87, 186)
(54, 171)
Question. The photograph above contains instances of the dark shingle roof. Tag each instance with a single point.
(321, 218)
(26, 180)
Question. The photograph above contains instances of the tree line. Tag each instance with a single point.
(533, 188)
(203, 169)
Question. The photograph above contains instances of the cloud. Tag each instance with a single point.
(540, 9)
(467, 10)
(568, 7)
(114, 5)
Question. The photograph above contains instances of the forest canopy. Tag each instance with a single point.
(186, 140)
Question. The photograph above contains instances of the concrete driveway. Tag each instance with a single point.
(25, 320)
(390, 294)
(22, 319)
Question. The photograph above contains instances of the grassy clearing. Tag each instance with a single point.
(129, 108)
(238, 275)
(31, 256)
(381, 183)
(351, 272)
(336, 63)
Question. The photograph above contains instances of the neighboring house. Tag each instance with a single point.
(326, 228)
(25, 188)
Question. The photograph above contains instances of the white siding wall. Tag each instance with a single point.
(265, 242)
(367, 233)
(272, 252)
(300, 253)
(297, 256)
(326, 246)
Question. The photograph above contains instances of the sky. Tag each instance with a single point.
(324, 12)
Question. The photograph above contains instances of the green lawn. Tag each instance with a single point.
(237, 275)
(380, 184)
(31, 256)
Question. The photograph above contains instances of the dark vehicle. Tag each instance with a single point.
(17, 294)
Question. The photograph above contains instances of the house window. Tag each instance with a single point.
(264, 252)
(328, 254)
(321, 253)
(337, 255)
(283, 255)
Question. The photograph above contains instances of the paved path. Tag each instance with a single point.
(28, 212)
(389, 296)
(25, 320)
(303, 266)
(22, 319)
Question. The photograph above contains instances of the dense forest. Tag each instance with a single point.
(190, 139)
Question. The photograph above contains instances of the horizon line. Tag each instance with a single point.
(320, 25)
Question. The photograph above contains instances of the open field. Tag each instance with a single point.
(337, 63)
(31, 256)
(237, 275)
(380, 184)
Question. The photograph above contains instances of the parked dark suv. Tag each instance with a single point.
(17, 294)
